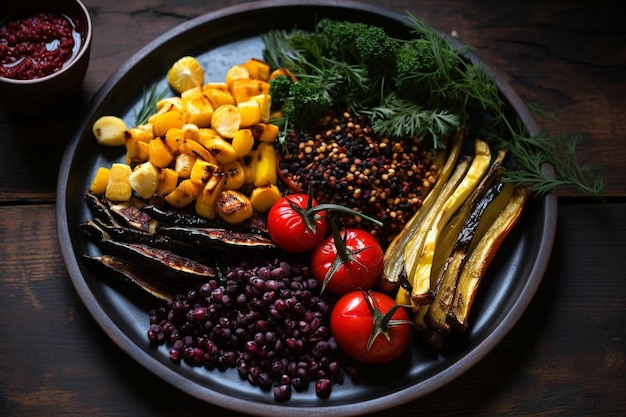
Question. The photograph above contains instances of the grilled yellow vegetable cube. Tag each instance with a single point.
(118, 187)
(249, 166)
(191, 132)
(100, 181)
(198, 150)
(144, 179)
(236, 72)
(250, 113)
(222, 151)
(265, 105)
(167, 181)
(226, 120)
(233, 207)
(173, 139)
(199, 111)
(183, 164)
(205, 202)
(265, 132)
(202, 171)
(218, 94)
(264, 197)
(190, 95)
(141, 133)
(265, 170)
(184, 194)
(258, 69)
(159, 154)
(244, 89)
(234, 175)
(169, 104)
(243, 142)
(162, 122)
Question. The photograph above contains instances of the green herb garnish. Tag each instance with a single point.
(420, 87)
(148, 105)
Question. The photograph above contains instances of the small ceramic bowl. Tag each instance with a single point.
(46, 92)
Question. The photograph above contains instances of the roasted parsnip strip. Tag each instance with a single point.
(414, 247)
(421, 275)
(480, 258)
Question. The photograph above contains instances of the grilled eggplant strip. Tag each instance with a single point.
(128, 274)
(203, 239)
(480, 258)
(158, 261)
(129, 235)
(218, 238)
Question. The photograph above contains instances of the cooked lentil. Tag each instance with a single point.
(347, 164)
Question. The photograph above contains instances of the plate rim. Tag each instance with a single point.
(418, 390)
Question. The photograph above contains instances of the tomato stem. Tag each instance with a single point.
(381, 322)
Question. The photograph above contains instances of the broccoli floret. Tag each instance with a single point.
(279, 89)
(359, 43)
(306, 104)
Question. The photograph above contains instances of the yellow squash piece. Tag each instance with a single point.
(205, 202)
(226, 120)
(144, 179)
(185, 193)
(257, 69)
(264, 197)
(173, 138)
(265, 132)
(265, 170)
(249, 166)
(162, 122)
(202, 171)
(218, 94)
(167, 181)
(185, 73)
(244, 89)
(250, 113)
(183, 164)
(243, 142)
(233, 207)
(159, 154)
(100, 181)
(234, 175)
(221, 150)
(236, 72)
(118, 187)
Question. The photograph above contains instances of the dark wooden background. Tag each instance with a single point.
(567, 354)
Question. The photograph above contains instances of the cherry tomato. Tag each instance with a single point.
(370, 327)
(349, 260)
(294, 225)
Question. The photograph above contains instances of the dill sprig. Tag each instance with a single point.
(148, 104)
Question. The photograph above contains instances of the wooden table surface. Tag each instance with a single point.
(566, 355)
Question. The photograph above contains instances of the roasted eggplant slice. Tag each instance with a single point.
(217, 238)
(160, 262)
(128, 274)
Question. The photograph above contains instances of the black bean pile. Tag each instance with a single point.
(265, 319)
(346, 164)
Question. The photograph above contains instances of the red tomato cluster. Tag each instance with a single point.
(368, 325)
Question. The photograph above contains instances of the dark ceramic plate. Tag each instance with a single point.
(230, 36)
